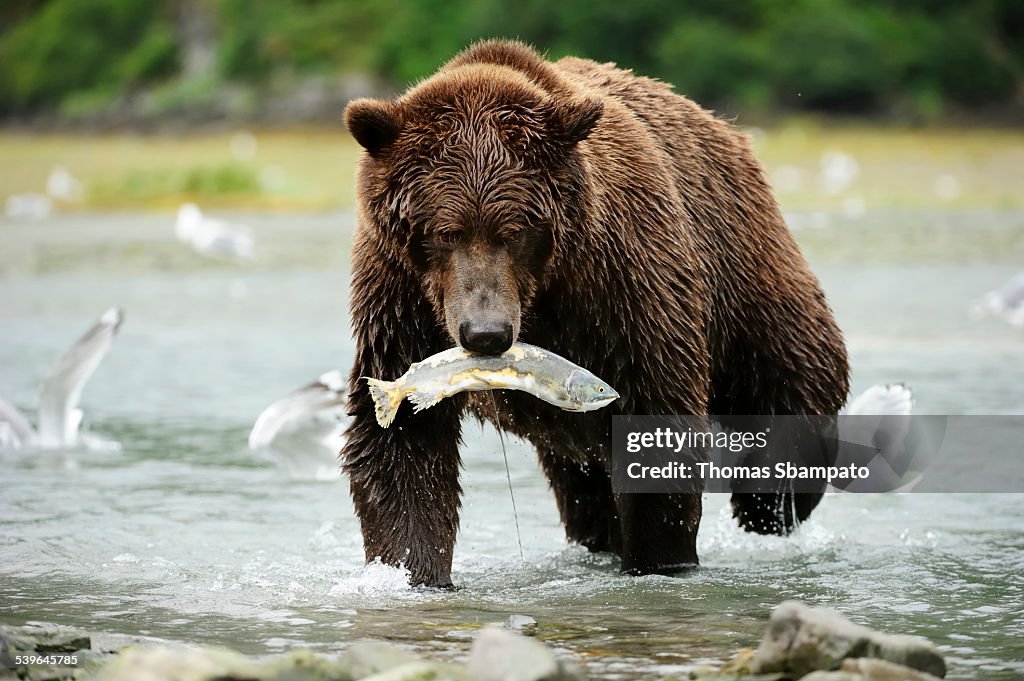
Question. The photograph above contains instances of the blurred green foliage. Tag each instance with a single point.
(911, 58)
(201, 182)
(67, 47)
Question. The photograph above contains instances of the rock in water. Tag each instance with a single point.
(368, 657)
(800, 640)
(502, 655)
(369, 661)
(524, 624)
(44, 638)
(164, 663)
(869, 669)
(420, 671)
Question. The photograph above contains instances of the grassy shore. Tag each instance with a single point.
(313, 169)
(302, 169)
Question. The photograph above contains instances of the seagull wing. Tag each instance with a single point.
(15, 430)
(877, 438)
(218, 239)
(230, 245)
(894, 399)
(1012, 293)
(305, 424)
(59, 416)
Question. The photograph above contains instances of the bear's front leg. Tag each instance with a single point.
(404, 479)
(405, 487)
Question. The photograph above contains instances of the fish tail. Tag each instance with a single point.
(386, 399)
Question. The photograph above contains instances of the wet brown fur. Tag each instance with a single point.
(621, 226)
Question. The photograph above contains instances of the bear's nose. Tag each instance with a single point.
(488, 338)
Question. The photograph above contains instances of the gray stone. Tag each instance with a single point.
(421, 671)
(165, 663)
(366, 658)
(501, 655)
(45, 638)
(801, 640)
(718, 675)
(110, 642)
(832, 676)
(870, 669)
(524, 624)
(177, 663)
(303, 665)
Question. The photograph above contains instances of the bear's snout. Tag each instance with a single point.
(481, 302)
(486, 337)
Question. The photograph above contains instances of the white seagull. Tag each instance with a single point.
(28, 207)
(1006, 302)
(305, 429)
(59, 418)
(838, 171)
(15, 430)
(872, 432)
(63, 186)
(212, 238)
(894, 399)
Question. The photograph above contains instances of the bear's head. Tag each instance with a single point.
(471, 176)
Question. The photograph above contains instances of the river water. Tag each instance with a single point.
(185, 534)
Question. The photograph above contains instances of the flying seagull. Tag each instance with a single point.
(15, 430)
(59, 418)
(212, 238)
(304, 429)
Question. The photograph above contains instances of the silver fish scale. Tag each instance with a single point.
(524, 359)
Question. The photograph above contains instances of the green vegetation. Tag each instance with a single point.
(298, 169)
(927, 169)
(67, 48)
(917, 59)
(200, 182)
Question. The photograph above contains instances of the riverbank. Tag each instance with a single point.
(800, 642)
(812, 165)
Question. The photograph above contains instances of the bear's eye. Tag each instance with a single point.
(510, 236)
(448, 238)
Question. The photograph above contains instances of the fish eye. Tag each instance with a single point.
(600, 390)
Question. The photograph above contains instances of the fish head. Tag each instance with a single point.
(588, 392)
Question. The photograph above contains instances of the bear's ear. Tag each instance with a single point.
(574, 120)
(374, 123)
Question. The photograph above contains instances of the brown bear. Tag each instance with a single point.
(595, 213)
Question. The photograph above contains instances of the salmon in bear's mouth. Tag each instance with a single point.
(523, 367)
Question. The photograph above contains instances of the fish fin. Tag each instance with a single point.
(421, 401)
(385, 399)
